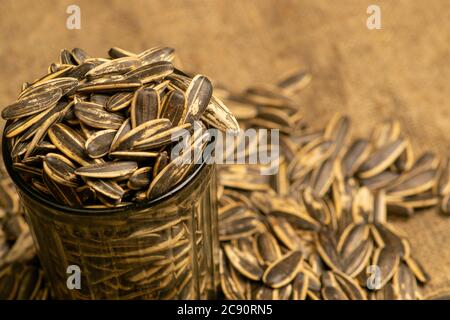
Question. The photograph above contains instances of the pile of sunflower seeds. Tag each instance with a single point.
(319, 228)
(310, 232)
(98, 132)
(20, 274)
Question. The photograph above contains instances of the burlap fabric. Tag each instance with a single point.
(401, 71)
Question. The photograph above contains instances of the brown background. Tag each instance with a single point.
(401, 71)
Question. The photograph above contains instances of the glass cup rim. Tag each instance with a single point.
(20, 183)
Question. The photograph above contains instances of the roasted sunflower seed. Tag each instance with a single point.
(99, 143)
(107, 170)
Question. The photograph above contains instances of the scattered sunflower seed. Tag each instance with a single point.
(330, 202)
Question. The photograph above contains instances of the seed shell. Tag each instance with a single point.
(284, 270)
(145, 106)
(107, 170)
(60, 169)
(70, 143)
(95, 116)
(99, 143)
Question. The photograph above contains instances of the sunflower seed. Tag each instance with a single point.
(32, 105)
(387, 260)
(405, 283)
(219, 116)
(133, 155)
(70, 143)
(198, 95)
(417, 269)
(107, 170)
(147, 129)
(354, 262)
(268, 96)
(331, 289)
(140, 178)
(385, 133)
(23, 124)
(406, 160)
(112, 84)
(162, 138)
(286, 233)
(337, 130)
(351, 287)
(156, 54)
(79, 55)
(99, 143)
(284, 270)
(107, 188)
(64, 194)
(116, 52)
(60, 169)
(296, 81)
(414, 184)
(247, 266)
(174, 108)
(355, 156)
(80, 71)
(174, 172)
(117, 66)
(323, 177)
(150, 72)
(42, 131)
(95, 116)
(160, 163)
(65, 57)
(267, 248)
(300, 286)
(229, 287)
(65, 84)
(382, 158)
(144, 106)
(327, 248)
(119, 101)
(381, 180)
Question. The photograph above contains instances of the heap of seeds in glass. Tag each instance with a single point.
(98, 132)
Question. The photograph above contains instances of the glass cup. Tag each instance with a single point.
(166, 248)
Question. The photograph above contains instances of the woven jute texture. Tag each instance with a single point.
(401, 71)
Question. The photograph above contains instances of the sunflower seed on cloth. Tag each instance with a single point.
(330, 203)
(111, 124)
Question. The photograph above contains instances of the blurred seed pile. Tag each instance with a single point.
(20, 274)
(98, 132)
(317, 229)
